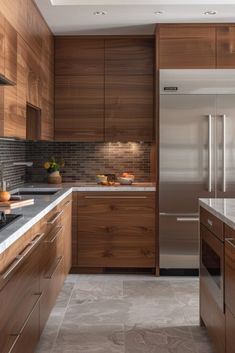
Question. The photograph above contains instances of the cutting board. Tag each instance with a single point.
(17, 203)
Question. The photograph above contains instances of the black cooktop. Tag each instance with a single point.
(6, 219)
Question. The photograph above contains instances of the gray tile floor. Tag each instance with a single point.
(126, 314)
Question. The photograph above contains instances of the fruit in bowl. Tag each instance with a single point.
(126, 179)
(101, 179)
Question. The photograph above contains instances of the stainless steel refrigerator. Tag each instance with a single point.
(197, 156)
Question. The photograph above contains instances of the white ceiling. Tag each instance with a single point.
(129, 16)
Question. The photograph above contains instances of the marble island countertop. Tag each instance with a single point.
(224, 209)
(45, 203)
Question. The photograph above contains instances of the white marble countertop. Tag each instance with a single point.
(224, 209)
(45, 203)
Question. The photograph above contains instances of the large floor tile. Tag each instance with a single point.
(90, 339)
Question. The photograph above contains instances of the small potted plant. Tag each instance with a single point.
(53, 168)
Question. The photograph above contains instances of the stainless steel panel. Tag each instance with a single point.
(187, 172)
(188, 81)
(179, 246)
(225, 146)
(184, 152)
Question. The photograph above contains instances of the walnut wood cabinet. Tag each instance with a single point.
(104, 89)
(32, 273)
(27, 59)
(116, 229)
(8, 49)
(200, 46)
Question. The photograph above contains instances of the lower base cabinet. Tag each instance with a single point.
(32, 280)
(116, 230)
(230, 332)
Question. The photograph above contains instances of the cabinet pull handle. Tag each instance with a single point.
(58, 261)
(187, 219)
(20, 258)
(56, 235)
(55, 217)
(230, 241)
(115, 197)
(67, 203)
(30, 314)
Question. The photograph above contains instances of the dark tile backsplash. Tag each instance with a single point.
(84, 160)
(10, 152)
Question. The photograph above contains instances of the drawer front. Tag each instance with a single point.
(51, 287)
(212, 223)
(230, 331)
(116, 230)
(230, 274)
(27, 339)
(18, 297)
(213, 318)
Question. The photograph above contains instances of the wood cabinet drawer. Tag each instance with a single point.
(19, 294)
(116, 230)
(51, 286)
(230, 274)
(26, 340)
(212, 223)
(230, 331)
(213, 318)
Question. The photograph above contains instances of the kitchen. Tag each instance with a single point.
(117, 208)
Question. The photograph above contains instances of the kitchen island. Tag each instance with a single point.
(217, 271)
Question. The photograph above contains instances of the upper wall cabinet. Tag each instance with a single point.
(104, 89)
(79, 56)
(226, 47)
(8, 50)
(196, 46)
(129, 56)
(187, 46)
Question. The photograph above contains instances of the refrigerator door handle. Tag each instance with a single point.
(187, 219)
(209, 152)
(224, 152)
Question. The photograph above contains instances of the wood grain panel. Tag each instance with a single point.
(129, 108)
(21, 86)
(185, 46)
(79, 56)
(116, 230)
(2, 46)
(213, 318)
(230, 331)
(79, 108)
(10, 54)
(226, 47)
(230, 273)
(129, 56)
(214, 224)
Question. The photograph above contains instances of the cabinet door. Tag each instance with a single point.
(226, 47)
(2, 46)
(230, 269)
(79, 108)
(230, 332)
(130, 56)
(10, 52)
(129, 108)
(34, 84)
(116, 230)
(21, 87)
(79, 56)
(47, 77)
(185, 47)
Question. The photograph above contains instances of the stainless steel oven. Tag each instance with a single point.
(212, 265)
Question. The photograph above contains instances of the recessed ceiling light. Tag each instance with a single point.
(158, 13)
(100, 13)
(210, 13)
